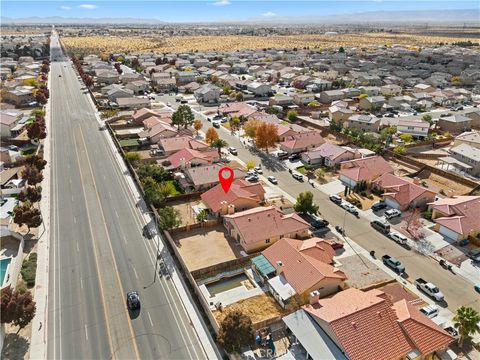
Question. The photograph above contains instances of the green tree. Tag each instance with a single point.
(167, 189)
(305, 203)
(388, 131)
(407, 138)
(183, 116)
(362, 96)
(239, 96)
(335, 125)
(156, 172)
(250, 164)
(153, 192)
(427, 118)
(236, 332)
(202, 215)
(292, 115)
(250, 128)
(17, 308)
(400, 150)
(320, 173)
(234, 123)
(226, 90)
(132, 156)
(219, 144)
(169, 218)
(467, 321)
(341, 49)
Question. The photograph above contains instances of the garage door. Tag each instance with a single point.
(392, 203)
(448, 233)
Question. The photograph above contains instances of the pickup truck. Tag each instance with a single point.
(393, 264)
(429, 289)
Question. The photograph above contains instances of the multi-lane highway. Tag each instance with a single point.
(97, 251)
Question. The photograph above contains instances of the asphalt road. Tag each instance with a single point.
(457, 290)
(97, 250)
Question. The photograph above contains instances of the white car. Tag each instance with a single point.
(430, 311)
(232, 150)
(168, 104)
(272, 179)
(349, 207)
(390, 214)
(258, 170)
(398, 238)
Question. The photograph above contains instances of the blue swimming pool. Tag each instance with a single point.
(3, 269)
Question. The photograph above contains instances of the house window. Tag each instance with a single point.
(267, 241)
(410, 128)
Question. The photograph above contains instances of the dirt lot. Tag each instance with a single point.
(365, 201)
(205, 247)
(186, 212)
(437, 183)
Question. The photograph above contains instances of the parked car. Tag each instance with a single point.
(294, 157)
(13, 148)
(282, 154)
(336, 199)
(209, 119)
(224, 120)
(232, 150)
(390, 214)
(314, 221)
(216, 124)
(452, 331)
(273, 180)
(349, 207)
(252, 178)
(297, 176)
(133, 300)
(477, 287)
(258, 170)
(379, 206)
(168, 104)
(393, 264)
(474, 254)
(398, 238)
(430, 311)
(429, 289)
(381, 225)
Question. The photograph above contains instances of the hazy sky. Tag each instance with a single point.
(215, 10)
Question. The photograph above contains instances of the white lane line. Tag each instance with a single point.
(86, 333)
(75, 219)
(135, 272)
(109, 195)
(72, 198)
(104, 178)
(78, 249)
(124, 239)
(81, 283)
(116, 214)
(149, 318)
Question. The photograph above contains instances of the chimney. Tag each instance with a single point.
(223, 208)
(182, 163)
(416, 180)
(279, 267)
(450, 193)
(231, 209)
(314, 297)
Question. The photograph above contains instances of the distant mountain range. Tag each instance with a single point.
(386, 17)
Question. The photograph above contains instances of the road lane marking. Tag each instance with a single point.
(149, 318)
(81, 283)
(86, 333)
(116, 214)
(78, 249)
(72, 198)
(75, 219)
(135, 272)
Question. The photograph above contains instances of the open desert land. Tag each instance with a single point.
(106, 44)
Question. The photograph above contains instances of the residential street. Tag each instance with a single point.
(457, 290)
(97, 251)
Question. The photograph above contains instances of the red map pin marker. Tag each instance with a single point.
(225, 176)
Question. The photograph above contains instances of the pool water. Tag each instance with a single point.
(3, 269)
(225, 284)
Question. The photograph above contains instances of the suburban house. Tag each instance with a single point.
(140, 115)
(471, 138)
(326, 97)
(402, 194)
(457, 217)
(208, 93)
(9, 120)
(132, 103)
(390, 89)
(280, 100)
(302, 99)
(174, 144)
(107, 77)
(366, 325)
(339, 114)
(366, 169)
(298, 267)
(258, 228)
(455, 123)
(366, 123)
(300, 142)
(157, 129)
(186, 158)
(117, 93)
(418, 129)
(423, 88)
(138, 87)
(327, 154)
(163, 82)
(372, 103)
(468, 159)
(242, 195)
(259, 89)
(21, 95)
(240, 109)
(202, 178)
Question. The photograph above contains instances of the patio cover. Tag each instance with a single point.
(263, 265)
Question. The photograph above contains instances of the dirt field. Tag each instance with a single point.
(204, 247)
(436, 183)
(107, 44)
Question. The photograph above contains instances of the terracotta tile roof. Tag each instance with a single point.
(158, 128)
(237, 109)
(303, 265)
(462, 213)
(368, 168)
(187, 155)
(425, 335)
(402, 191)
(363, 323)
(208, 174)
(328, 150)
(181, 142)
(240, 189)
(263, 223)
(303, 140)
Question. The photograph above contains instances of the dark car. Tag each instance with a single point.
(314, 221)
(294, 157)
(379, 206)
(133, 300)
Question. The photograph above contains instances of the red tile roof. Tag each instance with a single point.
(240, 189)
(363, 323)
(368, 168)
(263, 223)
(305, 262)
(237, 109)
(462, 213)
(303, 140)
(181, 142)
(185, 156)
(426, 336)
(208, 174)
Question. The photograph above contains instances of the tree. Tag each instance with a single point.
(335, 126)
(32, 175)
(266, 135)
(406, 138)
(36, 161)
(211, 136)
(166, 189)
(305, 203)
(132, 156)
(40, 98)
(467, 321)
(38, 113)
(31, 194)
(202, 215)
(169, 218)
(183, 116)
(153, 193)
(239, 96)
(197, 125)
(250, 164)
(16, 308)
(219, 144)
(88, 80)
(234, 123)
(236, 331)
(427, 118)
(388, 131)
(400, 150)
(341, 49)
(158, 61)
(156, 172)
(320, 173)
(292, 115)
(362, 96)
(26, 214)
(250, 128)
(36, 130)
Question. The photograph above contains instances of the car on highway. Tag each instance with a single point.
(297, 176)
(258, 170)
(59, 75)
(349, 207)
(398, 238)
(216, 124)
(430, 311)
(336, 199)
(273, 180)
(133, 300)
(232, 150)
(392, 213)
(379, 206)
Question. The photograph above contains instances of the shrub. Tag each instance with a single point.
(370, 196)
(132, 156)
(427, 215)
(292, 115)
(400, 150)
(442, 191)
(363, 193)
(29, 268)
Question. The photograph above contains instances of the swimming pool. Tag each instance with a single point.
(225, 284)
(3, 269)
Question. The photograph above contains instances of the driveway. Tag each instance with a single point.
(333, 187)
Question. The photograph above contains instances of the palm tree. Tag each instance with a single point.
(219, 144)
(466, 321)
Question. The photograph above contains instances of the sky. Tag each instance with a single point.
(215, 10)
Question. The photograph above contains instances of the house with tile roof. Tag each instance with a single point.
(202, 178)
(187, 158)
(367, 123)
(300, 142)
(258, 228)
(157, 129)
(240, 109)
(471, 138)
(174, 144)
(457, 217)
(328, 154)
(300, 267)
(142, 114)
(401, 194)
(366, 169)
